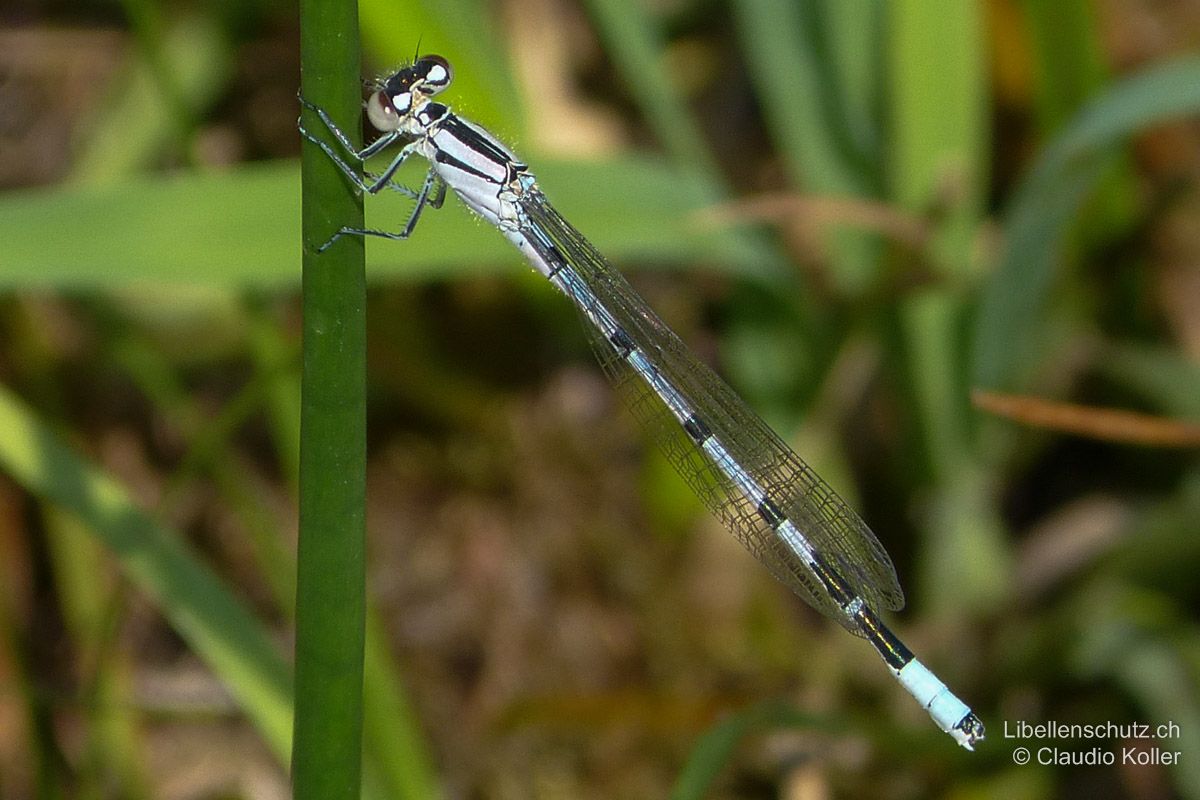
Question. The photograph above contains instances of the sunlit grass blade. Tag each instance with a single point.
(715, 748)
(170, 228)
(1068, 59)
(635, 46)
(805, 112)
(937, 101)
(199, 607)
(1047, 203)
(158, 102)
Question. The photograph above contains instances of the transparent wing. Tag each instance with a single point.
(832, 528)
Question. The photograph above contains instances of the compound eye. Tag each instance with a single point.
(438, 73)
(385, 112)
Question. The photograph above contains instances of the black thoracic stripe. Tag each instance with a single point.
(771, 513)
(886, 644)
(472, 138)
(445, 158)
(621, 341)
(697, 429)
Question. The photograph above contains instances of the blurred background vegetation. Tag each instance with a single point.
(947, 248)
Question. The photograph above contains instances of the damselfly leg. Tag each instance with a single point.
(432, 192)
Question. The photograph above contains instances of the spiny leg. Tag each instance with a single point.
(385, 178)
(369, 182)
(433, 184)
(433, 192)
(344, 140)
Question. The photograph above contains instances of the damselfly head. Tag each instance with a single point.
(407, 89)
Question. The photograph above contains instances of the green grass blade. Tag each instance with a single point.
(392, 731)
(215, 625)
(238, 229)
(634, 44)
(936, 102)
(716, 747)
(1068, 59)
(91, 607)
(780, 47)
(852, 33)
(938, 111)
(1168, 379)
(938, 157)
(783, 43)
(145, 117)
(1048, 201)
(330, 573)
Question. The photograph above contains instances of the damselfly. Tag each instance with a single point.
(747, 476)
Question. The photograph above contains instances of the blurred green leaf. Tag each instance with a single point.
(214, 623)
(635, 43)
(1069, 69)
(787, 68)
(805, 109)
(157, 102)
(854, 60)
(92, 607)
(1167, 378)
(1067, 57)
(1140, 639)
(1046, 205)
(714, 750)
(938, 168)
(393, 735)
(938, 103)
(240, 228)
